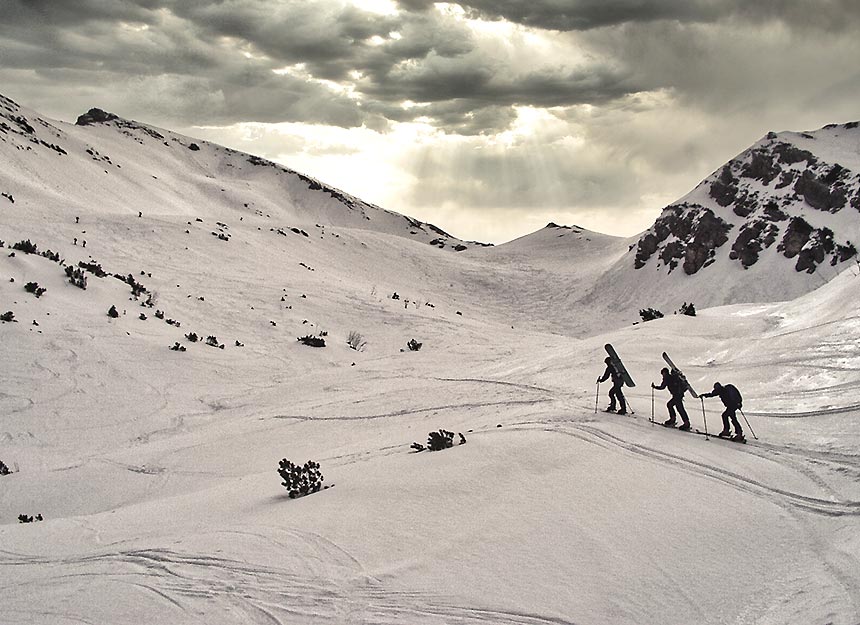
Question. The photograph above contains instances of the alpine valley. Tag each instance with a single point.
(179, 317)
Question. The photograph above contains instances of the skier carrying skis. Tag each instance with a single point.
(617, 382)
(733, 401)
(677, 387)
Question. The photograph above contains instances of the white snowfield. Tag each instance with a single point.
(155, 471)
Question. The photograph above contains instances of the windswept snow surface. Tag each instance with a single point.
(156, 470)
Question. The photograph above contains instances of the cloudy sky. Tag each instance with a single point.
(488, 118)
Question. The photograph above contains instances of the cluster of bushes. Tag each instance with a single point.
(137, 289)
(26, 518)
(77, 277)
(439, 440)
(8, 317)
(212, 341)
(414, 345)
(687, 309)
(177, 347)
(301, 480)
(94, 268)
(35, 289)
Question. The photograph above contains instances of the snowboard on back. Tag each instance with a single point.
(619, 366)
(680, 374)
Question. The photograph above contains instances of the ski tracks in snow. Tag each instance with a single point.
(282, 577)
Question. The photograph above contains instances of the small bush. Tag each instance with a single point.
(356, 341)
(441, 439)
(76, 277)
(414, 345)
(159, 314)
(311, 341)
(649, 314)
(7, 317)
(177, 347)
(212, 341)
(300, 480)
(687, 309)
(112, 313)
(4, 470)
(24, 518)
(35, 289)
(142, 317)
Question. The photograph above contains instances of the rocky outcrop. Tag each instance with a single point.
(688, 232)
(95, 116)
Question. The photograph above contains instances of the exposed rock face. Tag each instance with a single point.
(686, 231)
(95, 116)
(757, 199)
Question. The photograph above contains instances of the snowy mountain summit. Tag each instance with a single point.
(792, 195)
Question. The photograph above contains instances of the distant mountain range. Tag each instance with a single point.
(775, 222)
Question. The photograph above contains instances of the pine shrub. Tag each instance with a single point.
(26, 246)
(35, 289)
(4, 470)
(687, 309)
(311, 341)
(300, 480)
(414, 345)
(649, 314)
(77, 277)
(112, 312)
(7, 317)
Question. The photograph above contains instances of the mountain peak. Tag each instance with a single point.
(95, 116)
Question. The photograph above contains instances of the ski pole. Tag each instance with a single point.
(704, 418)
(748, 424)
(596, 397)
(652, 404)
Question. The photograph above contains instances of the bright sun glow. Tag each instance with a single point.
(382, 7)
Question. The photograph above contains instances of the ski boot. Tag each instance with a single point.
(610, 409)
(685, 427)
(669, 423)
(739, 438)
(725, 434)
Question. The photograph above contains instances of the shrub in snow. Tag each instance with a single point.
(395, 296)
(687, 309)
(142, 317)
(311, 341)
(300, 480)
(76, 277)
(24, 518)
(212, 341)
(4, 470)
(7, 317)
(159, 314)
(649, 314)
(34, 288)
(137, 289)
(93, 268)
(26, 246)
(414, 345)
(356, 341)
(177, 347)
(436, 441)
(112, 312)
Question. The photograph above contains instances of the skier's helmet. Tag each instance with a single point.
(665, 370)
(607, 360)
(718, 386)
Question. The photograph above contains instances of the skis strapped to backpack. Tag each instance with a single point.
(619, 366)
(680, 374)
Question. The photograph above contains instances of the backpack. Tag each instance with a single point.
(734, 395)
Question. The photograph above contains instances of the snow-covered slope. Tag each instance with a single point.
(777, 221)
(155, 470)
(94, 167)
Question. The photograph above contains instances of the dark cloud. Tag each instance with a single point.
(577, 15)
